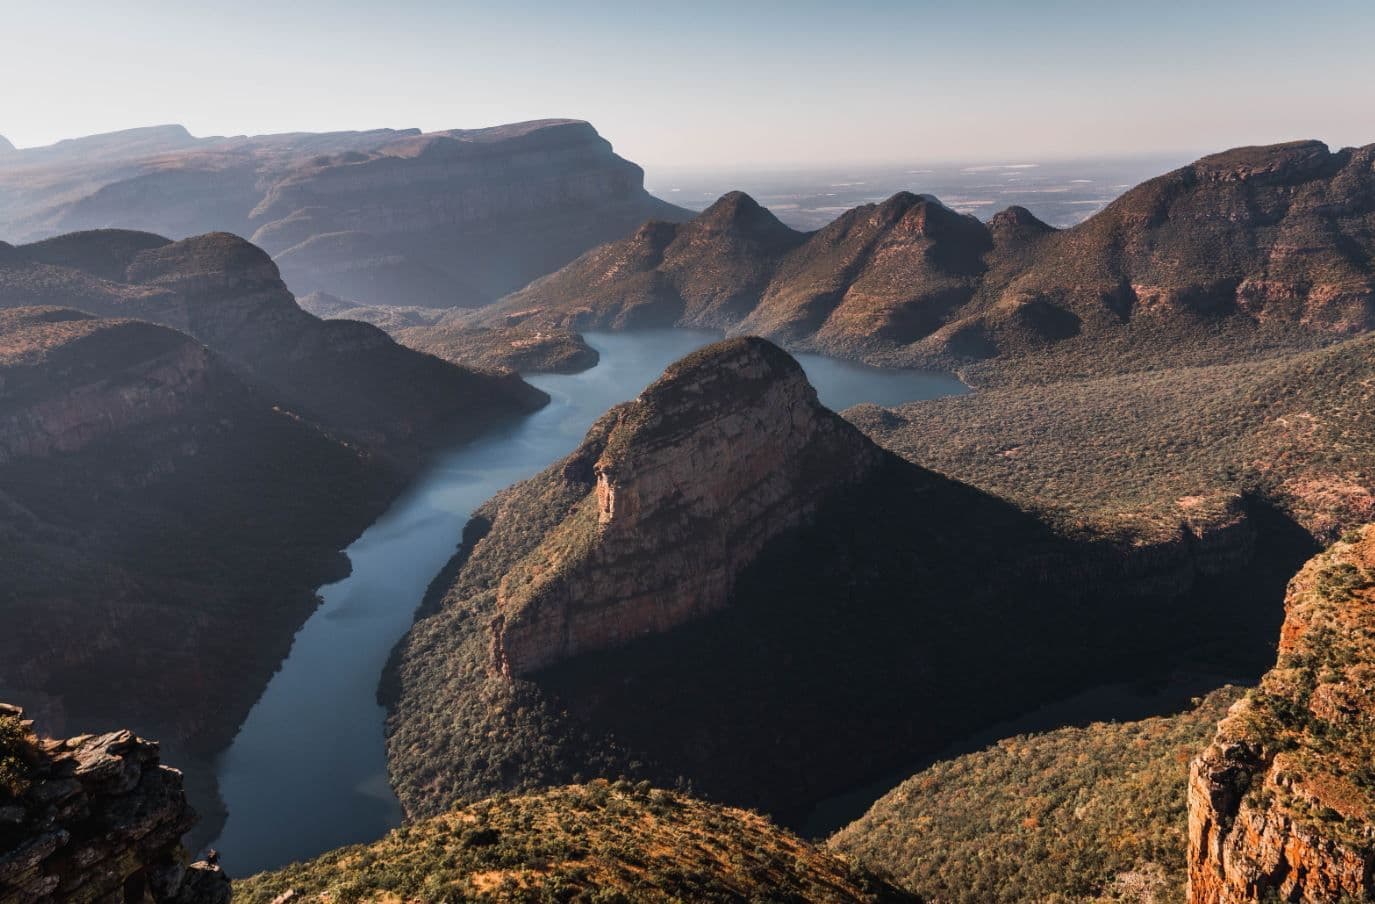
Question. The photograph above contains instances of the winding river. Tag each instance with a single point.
(307, 772)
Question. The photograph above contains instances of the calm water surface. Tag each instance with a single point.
(307, 772)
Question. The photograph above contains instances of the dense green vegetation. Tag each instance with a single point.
(599, 843)
(843, 657)
(1142, 453)
(1074, 815)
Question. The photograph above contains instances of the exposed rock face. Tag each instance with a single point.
(383, 217)
(723, 453)
(100, 819)
(1255, 246)
(1281, 803)
(348, 376)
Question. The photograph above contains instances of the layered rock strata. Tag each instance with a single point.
(1281, 805)
(393, 217)
(723, 453)
(98, 818)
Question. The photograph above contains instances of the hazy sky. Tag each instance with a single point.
(710, 83)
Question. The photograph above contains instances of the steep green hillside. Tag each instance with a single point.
(603, 843)
(1075, 815)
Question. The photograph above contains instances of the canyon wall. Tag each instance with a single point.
(723, 453)
(1281, 803)
(442, 219)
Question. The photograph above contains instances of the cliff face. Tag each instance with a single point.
(383, 217)
(350, 377)
(96, 818)
(727, 584)
(723, 453)
(1238, 252)
(1281, 802)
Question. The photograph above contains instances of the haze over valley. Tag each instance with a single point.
(906, 453)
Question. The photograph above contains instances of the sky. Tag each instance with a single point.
(710, 84)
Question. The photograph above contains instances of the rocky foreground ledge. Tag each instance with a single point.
(94, 819)
(1282, 804)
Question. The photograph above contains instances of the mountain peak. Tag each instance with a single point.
(1016, 222)
(733, 203)
(737, 211)
(721, 452)
(6, 146)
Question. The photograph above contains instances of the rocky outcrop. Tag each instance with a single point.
(442, 219)
(1281, 803)
(98, 818)
(727, 450)
(1237, 253)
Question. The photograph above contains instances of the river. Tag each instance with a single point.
(307, 771)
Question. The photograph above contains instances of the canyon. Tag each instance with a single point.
(725, 588)
(183, 454)
(618, 579)
(438, 219)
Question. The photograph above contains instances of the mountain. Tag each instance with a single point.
(5, 146)
(1089, 814)
(94, 818)
(441, 219)
(1238, 253)
(1280, 804)
(165, 526)
(227, 293)
(728, 585)
(595, 842)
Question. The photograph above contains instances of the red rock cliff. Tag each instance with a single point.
(1282, 804)
(723, 453)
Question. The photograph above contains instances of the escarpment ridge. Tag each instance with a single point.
(1229, 257)
(398, 217)
(728, 584)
